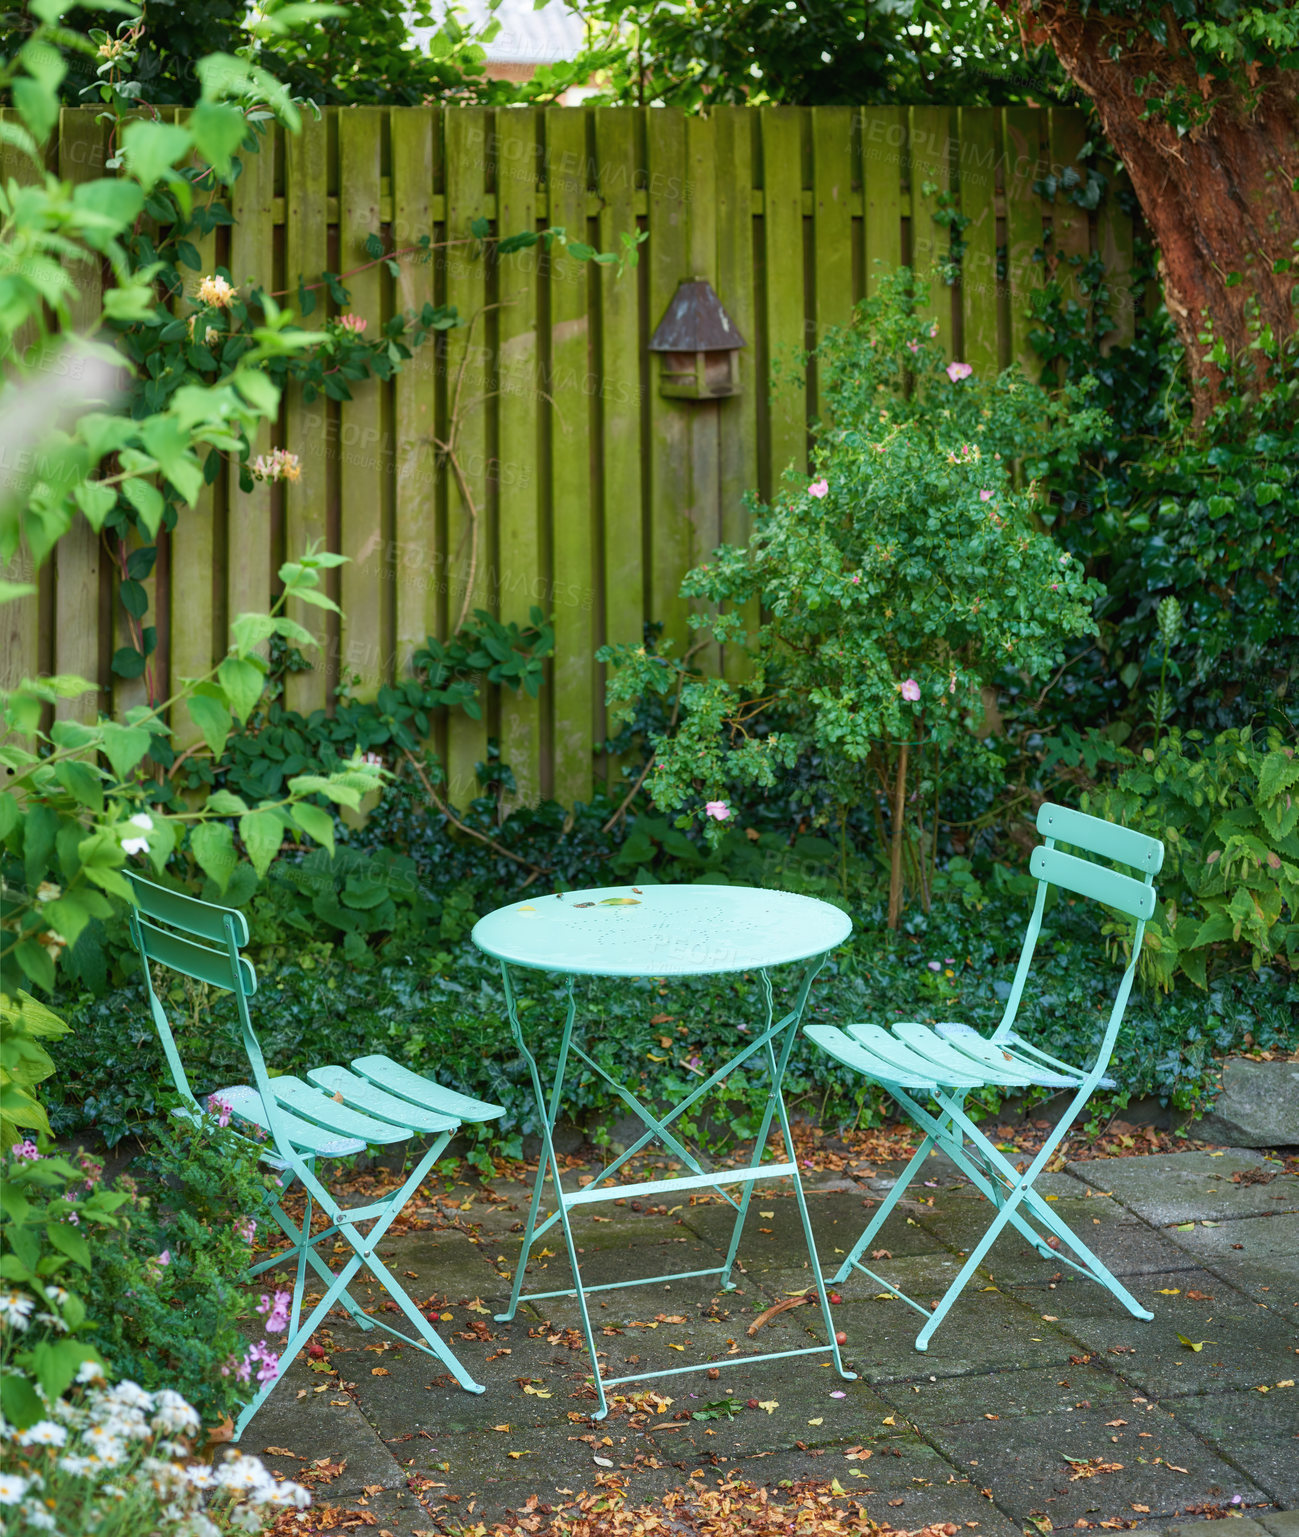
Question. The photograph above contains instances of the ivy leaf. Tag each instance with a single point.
(96, 501)
(148, 503)
(263, 833)
(213, 845)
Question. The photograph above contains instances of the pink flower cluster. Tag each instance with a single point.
(275, 1311)
(246, 1228)
(218, 1107)
(26, 1151)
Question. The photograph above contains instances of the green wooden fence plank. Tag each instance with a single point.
(307, 427)
(249, 558)
(737, 448)
(980, 146)
(1023, 166)
(520, 580)
(362, 461)
(570, 505)
(620, 450)
(469, 534)
(883, 154)
(703, 419)
(1115, 247)
(668, 451)
(82, 149)
(784, 320)
(833, 197)
(416, 140)
(929, 158)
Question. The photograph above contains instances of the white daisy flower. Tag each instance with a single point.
(43, 1433)
(12, 1488)
(131, 1396)
(77, 1466)
(15, 1309)
(41, 1519)
(201, 1476)
(89, 1371)
(173, 1415)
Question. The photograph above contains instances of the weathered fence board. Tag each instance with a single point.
(585, 491)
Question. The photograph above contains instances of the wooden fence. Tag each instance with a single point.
(596, 493)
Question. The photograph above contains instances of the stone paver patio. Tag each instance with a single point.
(1041, 1404)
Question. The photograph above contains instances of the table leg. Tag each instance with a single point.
(549, 1114)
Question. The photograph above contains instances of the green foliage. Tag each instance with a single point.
(896, 587)
(175, 1321)
(24, 1062)
(820, 53)
(50, 1209)
(1228, 812)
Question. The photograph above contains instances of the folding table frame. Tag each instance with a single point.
(337, 1113)
(774, 1044)
(942, 1064)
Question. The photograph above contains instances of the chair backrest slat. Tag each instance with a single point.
(1104, 839)
(1079, 875)
(197, 961)
(180, 911)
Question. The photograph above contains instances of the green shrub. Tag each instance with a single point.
(1228, 811)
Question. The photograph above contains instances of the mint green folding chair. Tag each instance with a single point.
(334, 1113)
(923, 1065)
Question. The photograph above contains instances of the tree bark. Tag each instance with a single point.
(1220, 200)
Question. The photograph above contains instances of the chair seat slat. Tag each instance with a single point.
(896, 1055)
(333, 1114)
(247, 1104)
(843, 1048)
(996, 1067)
(968, 1041)
(362, 1095)
(396, 1079)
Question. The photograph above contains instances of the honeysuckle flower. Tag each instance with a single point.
(957, 371)
(53, 941)
(216, 292)
(136, 844)
(718, 810)
(819, 488)
(985, 496)
(47, 891)
(279, 464)
(356, 324)
(909, 689)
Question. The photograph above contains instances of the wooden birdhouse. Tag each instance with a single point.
(699, 345)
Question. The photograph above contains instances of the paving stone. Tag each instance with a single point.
(329, 1426)
(1280, 1523)
(1011, 1393)
(1026, 1466)
(1258, 1105)
(1165, 1188)
(912, 1490)
(837, 1222)
(394, 1510)
(1243, 1343)
(983, 1332)
(1268, 1234)
(1271, 1281)
(1259, 1431)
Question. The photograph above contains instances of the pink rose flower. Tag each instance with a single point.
(819, 488)
(957, 371)
(914, 346)
(985, 496)
(718, 810)
(935, 965)
(910, 690)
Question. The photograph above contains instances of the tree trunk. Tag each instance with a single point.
(895, 844)
(1220, 200)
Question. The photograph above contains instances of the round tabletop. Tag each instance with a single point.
(661, 931)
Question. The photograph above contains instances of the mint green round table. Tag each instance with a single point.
(664, 931)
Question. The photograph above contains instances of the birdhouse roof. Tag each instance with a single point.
(696, 322)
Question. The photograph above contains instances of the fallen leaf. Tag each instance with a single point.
(1192, 1345)
(517, 1455)
(1170, 1291)
(820, 1420)
(500, 1427)
(888, 1421)
(895, 1502)
(1116, 1422)
(1144, 1509)
(769, 1404)
(281, 1451)
(1175, 1468)
(858, 1453)
(602, 1462)
(379, 1371)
